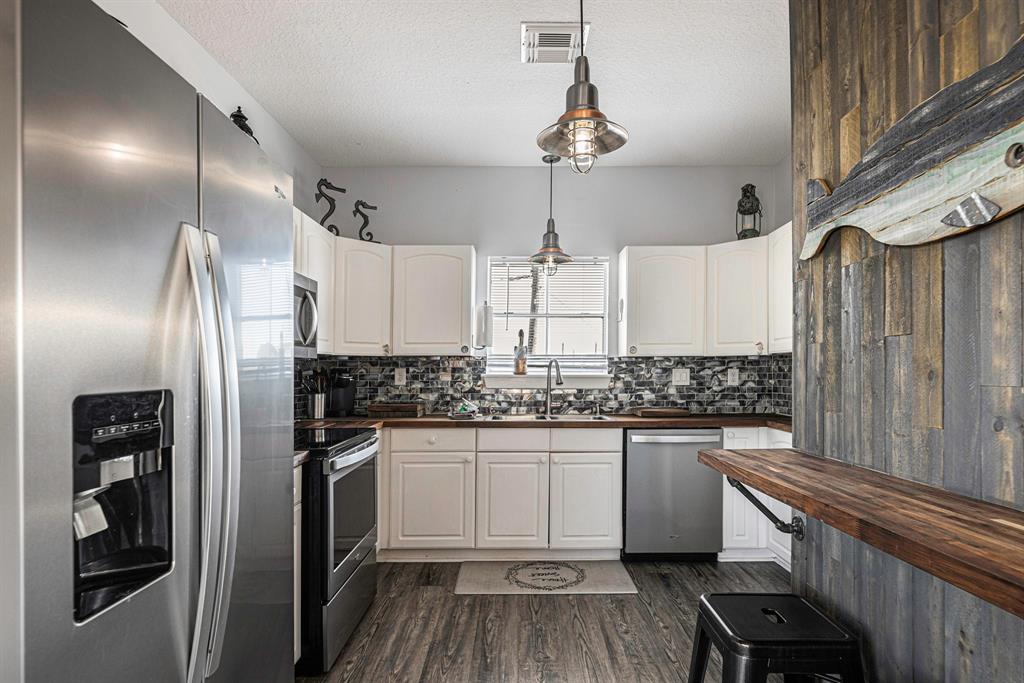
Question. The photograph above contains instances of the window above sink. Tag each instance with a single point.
(563, 316)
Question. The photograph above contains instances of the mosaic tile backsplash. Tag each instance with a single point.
(765, 385)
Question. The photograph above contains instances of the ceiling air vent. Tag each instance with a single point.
(552, 42)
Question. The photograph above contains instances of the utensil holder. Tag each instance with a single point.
(317, 404)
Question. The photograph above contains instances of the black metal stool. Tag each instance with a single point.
(762, 633)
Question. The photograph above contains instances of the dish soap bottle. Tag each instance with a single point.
(519, 367)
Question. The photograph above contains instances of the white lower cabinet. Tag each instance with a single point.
(512, 500)
(586, 500)
(528, 488)
(779, 543)
(746, 533)
(742, 527)
(432, 499)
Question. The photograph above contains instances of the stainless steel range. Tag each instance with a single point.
(339, 526)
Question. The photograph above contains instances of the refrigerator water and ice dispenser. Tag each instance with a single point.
(121, 521)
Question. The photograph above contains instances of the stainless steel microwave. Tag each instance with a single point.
(306, 319)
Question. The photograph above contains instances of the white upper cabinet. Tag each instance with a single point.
(586, 500)
(317, 261)
(662, 299)
(433, 300)
(512, 500)
(737, 298)
(780, 290)
(362, 298)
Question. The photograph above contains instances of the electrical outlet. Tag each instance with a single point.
(681, 377)
(399, 377)
(444, 376)
(733, 377)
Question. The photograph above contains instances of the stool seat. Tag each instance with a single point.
(762, 633)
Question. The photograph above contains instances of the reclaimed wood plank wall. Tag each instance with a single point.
(909, 360)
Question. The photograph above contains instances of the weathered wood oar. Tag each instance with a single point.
(954, 163)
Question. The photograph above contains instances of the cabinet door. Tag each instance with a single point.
(362, 298)
(662, 303)
(512, 500)
(297, 581)
(586, 500)
(318, 263)
(779, 543)
(780, 290)
(432, 496)
(434, 295)
(297, 264)
(737, 298)
(742, 525)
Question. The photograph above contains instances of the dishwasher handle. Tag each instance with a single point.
(676, 438)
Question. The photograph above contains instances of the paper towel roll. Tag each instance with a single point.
(484, 334)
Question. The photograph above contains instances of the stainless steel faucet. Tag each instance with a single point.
(558, 381)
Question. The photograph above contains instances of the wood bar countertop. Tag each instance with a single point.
(613, 422)
(974, 545)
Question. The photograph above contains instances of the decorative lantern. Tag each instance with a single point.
(748, 214)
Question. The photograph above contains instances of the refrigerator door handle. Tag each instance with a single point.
(232, 452)
(212, 446)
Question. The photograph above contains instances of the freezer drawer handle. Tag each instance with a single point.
(648, 438)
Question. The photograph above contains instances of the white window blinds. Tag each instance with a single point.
(563, 316)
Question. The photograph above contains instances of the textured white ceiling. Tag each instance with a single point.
(439, 82)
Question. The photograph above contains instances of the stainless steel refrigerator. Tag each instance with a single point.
(146, 407)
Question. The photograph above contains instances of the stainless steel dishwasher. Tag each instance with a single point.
(673, 503)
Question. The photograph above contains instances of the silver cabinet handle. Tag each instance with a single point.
(644, 438)
(232, 450)
(212, 440)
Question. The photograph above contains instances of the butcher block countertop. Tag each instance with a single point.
(613, 422)
(972, 544)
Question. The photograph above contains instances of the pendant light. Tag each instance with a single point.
(582, 133)
(550, 255)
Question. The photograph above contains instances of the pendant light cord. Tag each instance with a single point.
(551, 190)
(581, 28)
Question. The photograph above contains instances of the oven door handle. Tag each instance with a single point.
(352, 459)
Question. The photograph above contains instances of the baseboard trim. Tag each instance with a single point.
(746, 555)
(492, 555)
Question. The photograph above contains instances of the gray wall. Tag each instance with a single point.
(502, 211)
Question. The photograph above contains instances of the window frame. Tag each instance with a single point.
(578, 363)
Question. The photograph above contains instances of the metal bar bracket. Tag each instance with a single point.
(795, 527)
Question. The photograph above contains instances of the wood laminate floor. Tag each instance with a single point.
(418, 630)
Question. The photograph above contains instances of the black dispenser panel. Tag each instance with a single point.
(121, 525)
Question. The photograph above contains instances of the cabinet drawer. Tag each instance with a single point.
(297, 485)
(433, 440)
(589, 439)
(526, 439)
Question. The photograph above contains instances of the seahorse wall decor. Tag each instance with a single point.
(322, 186)
(953, 164)
(358, 211)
